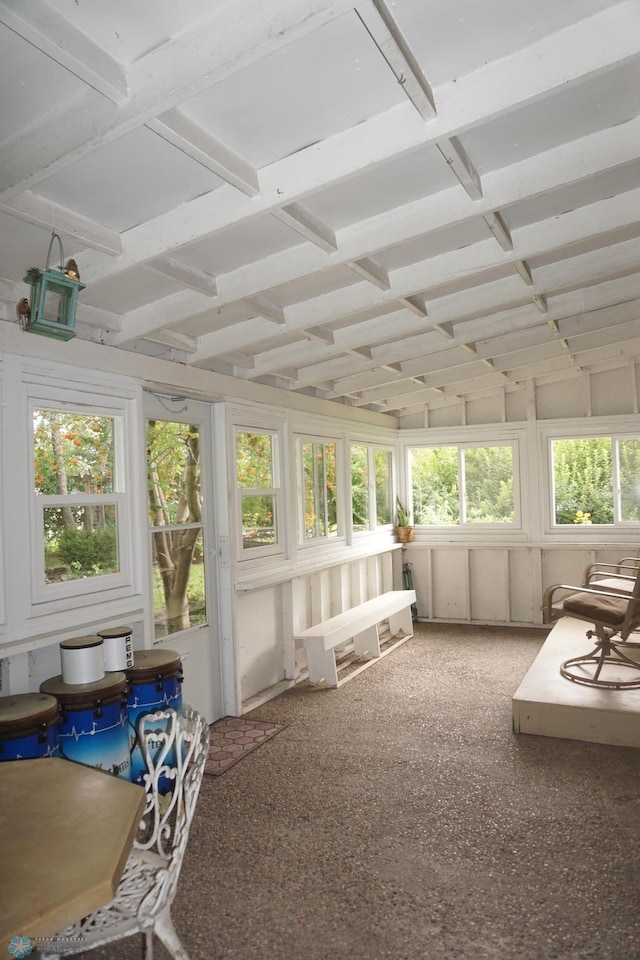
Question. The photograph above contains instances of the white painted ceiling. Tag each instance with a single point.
(390, 205)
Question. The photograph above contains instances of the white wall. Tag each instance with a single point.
(497, 576)
(490, 578)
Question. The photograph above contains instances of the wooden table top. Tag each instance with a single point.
(65, 834)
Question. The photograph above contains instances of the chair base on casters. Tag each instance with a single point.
(605, 652)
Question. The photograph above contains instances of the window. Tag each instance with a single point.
(462, 484)
(319, 500)
(79, 485)
(257, 479)
(596, 480)
(370, 486)
(176, 526)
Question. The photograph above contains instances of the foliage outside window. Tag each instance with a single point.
(175, 518)
(462, 484)
(256, 475)
(319, 492)
(76, 493)
(368, 462)
(596, 480)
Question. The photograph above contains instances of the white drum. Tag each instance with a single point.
(82, 660)
(118, 648)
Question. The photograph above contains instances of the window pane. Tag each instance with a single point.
(319, 483)
(434, 484)
(179, 595)
(259, 526)
(382, 467)
(73, 453)
(488, 474)
(629, 468)
(175, 500)
(80, 541)
(313, 471)
(331, 492)
(582, 481)
(254, 461)
(173, 463)
(359, 488)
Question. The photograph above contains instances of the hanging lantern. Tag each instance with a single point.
(54, 294)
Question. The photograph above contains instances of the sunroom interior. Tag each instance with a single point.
(328, 258)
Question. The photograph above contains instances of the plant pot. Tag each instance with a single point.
(404, 534)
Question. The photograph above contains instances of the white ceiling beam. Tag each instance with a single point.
(460, 163)
(540, 302)
(611, 324)
(387, 36)
(177, 341)
(497, 295)
(444, 330)
(239, 361)
(265, 308)
(57, 37)
(326, 337)
(525, 272)
(233, 337)
(42, 212)
(294, 215)
(197, 280)
(499, 229)
(379, 377)
(415, 305)
(201, 55)
(524, 180)
(371, 271)
(423, 353)
(394, 134)
(181, 131)
(365, 332)
(106, 320)
(555, 235)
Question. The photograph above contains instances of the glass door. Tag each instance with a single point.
(179, 494)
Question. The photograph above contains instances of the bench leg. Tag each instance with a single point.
(321, 663)
(401, 621)
(367, 642)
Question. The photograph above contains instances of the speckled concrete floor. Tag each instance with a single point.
(399, 817)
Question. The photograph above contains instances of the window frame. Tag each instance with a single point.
(372, 448)
(90, 589)
(471, 438)
(305, 543)
(615, 431)
(247, 554)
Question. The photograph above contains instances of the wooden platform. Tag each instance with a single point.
(547, 704)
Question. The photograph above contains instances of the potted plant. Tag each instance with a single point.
(404, 528)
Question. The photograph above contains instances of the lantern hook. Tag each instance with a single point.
(55, 236)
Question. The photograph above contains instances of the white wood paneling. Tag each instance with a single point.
(489, 585)
(450, 585)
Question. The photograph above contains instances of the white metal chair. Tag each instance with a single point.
(175, 747)
(617, 577)
(615, 615)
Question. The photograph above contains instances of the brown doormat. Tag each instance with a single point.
(232, 738)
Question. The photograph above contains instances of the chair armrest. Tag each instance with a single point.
(547, 601)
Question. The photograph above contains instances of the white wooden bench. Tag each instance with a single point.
(360, 624)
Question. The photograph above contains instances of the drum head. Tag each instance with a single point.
(79, 695)
(26, 711)
(151, 664)
(80, 643)
(115, 632)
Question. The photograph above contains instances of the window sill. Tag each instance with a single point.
(290, 570)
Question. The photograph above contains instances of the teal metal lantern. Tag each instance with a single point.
(53, 300)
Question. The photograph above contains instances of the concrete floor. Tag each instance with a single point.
(399, 817)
